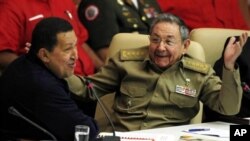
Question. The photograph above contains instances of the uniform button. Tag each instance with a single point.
(129, 103)
(120, 2)
(155, 95)
(143, 18)
(135, 25)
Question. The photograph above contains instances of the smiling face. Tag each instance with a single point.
(62, 59)
(166, 46)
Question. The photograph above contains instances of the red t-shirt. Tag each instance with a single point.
(206, 13)
(19, 17)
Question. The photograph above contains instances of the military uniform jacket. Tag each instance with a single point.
(148, 97)
(105, 18)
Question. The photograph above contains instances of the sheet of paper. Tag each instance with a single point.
(130, 136)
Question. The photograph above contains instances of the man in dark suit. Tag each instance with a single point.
(34, 84)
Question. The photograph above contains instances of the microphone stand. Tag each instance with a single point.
(105, 138)
(12, 110)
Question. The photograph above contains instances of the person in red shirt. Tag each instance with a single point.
(207, 13)
(18, 19)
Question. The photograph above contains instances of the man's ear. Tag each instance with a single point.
(43, 54)
(186, 45)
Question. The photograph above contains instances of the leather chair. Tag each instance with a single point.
(132, 40)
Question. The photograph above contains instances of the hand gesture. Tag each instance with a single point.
(233, 50)
(27, 47)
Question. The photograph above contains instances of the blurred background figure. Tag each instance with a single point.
(209, 13)
(22, 18)
(105, 18)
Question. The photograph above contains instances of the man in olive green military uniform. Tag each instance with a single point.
(105, 18)
(162, 85)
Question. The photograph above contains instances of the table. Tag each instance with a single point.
(178, 130)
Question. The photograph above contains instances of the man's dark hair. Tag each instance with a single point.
(45, 33)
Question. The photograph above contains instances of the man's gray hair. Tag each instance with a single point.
(170, 18)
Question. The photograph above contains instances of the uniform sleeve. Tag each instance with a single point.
(84, 65)
(108, 79)
(99, 18)
(223, 96)
(11, 27)
(81, 30)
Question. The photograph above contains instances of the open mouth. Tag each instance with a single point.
(161, 54)
(72, 65)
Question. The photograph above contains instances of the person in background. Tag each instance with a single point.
(161, 85)
(209, 13)
(34, 84)
(18, 21)
(105, 18)
(77, 2)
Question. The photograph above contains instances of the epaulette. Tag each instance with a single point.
(195, 65)
(135, 54)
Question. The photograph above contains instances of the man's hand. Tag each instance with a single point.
(233, 50)
(27, 47)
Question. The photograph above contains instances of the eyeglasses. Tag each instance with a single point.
(158, 40)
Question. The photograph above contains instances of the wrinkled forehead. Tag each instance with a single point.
(166, 30)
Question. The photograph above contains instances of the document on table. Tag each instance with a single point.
(130, 136)
(222, 133)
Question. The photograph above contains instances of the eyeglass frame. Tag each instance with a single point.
(166, 42)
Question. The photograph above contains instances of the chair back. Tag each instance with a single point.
(213, 40)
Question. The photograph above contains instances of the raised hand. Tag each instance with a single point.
(233, 50)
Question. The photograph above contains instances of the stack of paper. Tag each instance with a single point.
(130, 136)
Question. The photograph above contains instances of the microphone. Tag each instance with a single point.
(12, 110)
(105, 138)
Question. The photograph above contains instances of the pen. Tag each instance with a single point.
(198, 129)
(214, 135)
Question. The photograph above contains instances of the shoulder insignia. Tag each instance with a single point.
(196, 65)
(91, 12)
(134, 54)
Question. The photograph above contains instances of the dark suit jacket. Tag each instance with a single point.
(42, 97)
